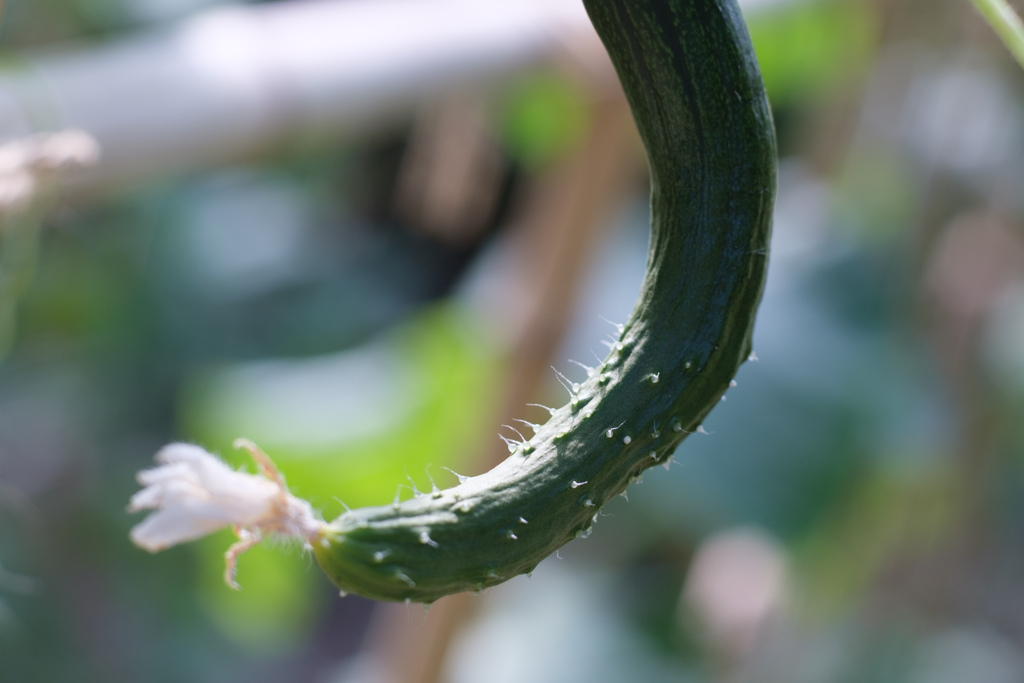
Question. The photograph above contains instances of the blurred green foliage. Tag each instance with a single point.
(19, 244)
(544, 116)
(811, 50)
(436, 380)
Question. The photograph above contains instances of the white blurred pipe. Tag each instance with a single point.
(233, 83)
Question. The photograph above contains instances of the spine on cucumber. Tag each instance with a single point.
(693, 84)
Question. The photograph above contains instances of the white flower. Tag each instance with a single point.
(194, 494)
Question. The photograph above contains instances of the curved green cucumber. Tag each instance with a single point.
(695, 90)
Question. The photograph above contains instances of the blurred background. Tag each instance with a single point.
(358, 232)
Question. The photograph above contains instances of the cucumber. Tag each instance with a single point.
(693, 83)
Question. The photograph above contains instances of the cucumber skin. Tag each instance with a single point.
(693, 83)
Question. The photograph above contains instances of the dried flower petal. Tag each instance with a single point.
(194, 494)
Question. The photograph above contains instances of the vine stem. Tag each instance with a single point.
(1006, 23)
